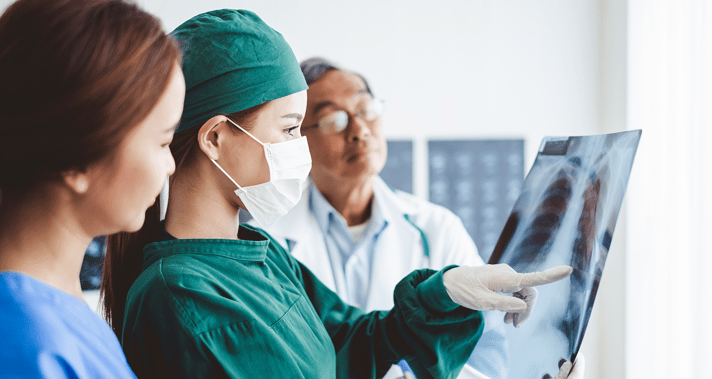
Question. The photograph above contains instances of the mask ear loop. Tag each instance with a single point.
(267, 148)
(226, 174)
(248, 133)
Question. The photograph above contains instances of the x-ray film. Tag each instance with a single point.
(565, 215)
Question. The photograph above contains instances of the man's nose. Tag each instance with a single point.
(357, 129)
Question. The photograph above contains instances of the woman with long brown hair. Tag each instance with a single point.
(91, 94)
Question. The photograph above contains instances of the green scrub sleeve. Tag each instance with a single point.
(425, 327)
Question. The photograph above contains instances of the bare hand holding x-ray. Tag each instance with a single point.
(565, 215)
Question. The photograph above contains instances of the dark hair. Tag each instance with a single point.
(124, 253)
(76, 77)
(314, 68)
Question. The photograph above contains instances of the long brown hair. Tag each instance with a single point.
(124, 253)
(76, 77)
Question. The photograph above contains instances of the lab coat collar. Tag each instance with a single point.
(393, 207)
(253, 249)
(325, 213)
(293, 228)
(320, 207)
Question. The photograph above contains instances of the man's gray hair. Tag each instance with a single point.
(314, 68)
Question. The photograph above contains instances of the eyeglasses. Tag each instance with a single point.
(337, 121)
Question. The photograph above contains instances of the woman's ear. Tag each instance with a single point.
(211, 135)
(77, 181)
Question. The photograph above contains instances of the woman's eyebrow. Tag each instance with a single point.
(298, 116)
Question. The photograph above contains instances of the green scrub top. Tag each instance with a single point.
(215, 308)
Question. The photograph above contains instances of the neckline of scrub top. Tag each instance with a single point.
(24, 284)
(251, 247)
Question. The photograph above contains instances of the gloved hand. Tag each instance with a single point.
(565, 371)
(477, 287)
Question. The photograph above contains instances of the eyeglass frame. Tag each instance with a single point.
(323, 129)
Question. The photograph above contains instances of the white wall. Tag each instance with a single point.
(474, 68)
(485, 68)
(668, 276)
(608, 318)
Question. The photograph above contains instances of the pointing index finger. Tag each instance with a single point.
(551, 275)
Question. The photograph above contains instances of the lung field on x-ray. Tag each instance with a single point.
(547, 220)
(565, 214)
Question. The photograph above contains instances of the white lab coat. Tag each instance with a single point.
(398, 252)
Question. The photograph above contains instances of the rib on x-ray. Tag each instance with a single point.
(565, 214)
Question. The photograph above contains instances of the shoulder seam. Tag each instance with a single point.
(173, 296)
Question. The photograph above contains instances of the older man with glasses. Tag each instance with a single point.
(359, 236)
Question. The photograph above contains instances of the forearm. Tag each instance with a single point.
(425, 327)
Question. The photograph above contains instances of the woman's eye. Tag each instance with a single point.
(291, 129)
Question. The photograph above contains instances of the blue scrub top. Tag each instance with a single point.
(48, 333)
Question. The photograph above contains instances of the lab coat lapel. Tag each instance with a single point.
(398, 252)
(300, 227)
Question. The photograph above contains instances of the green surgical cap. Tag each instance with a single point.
(232, 61)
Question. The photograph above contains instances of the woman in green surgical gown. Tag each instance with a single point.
(211, 299)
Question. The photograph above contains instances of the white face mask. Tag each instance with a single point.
(289, 165)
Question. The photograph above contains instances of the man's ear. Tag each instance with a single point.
(211, 135)
(77, 181)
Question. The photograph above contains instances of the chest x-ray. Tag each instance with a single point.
(565, 214)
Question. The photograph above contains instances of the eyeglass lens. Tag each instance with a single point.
(337, 121)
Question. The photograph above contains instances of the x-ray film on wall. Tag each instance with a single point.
(565, 215)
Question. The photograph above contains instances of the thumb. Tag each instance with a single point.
(506, 303)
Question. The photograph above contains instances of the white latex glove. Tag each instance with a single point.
(477, 287)
(565, 371)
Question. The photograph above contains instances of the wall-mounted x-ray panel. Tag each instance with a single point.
(565, 215)
(398, 171)
(479, 180)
